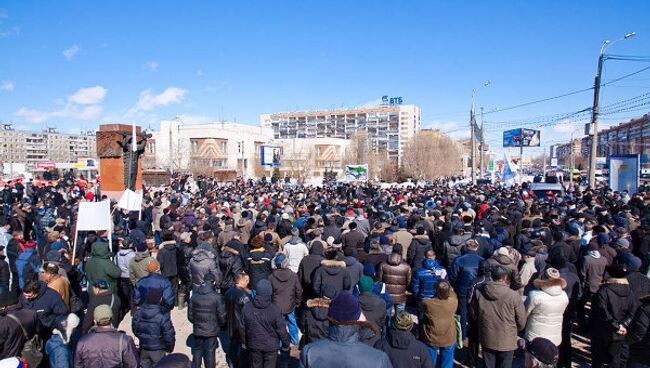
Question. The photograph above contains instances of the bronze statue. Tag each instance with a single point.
(131, 157)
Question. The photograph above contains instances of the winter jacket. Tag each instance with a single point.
(545, 309)
(419, 246)
(425, 277)
(374, 309)
(206, 311)
(307, 269)
(12, 338)
(342, 349)
(225, 236)
(438, 324)
(463, 270)
(500, 315)
(333, 231)
(235, 299)
(264, 326)
(168, 258)
(613, 305)
(331, 272)
(103, 298)
(154, 287)
(259, 265)
(231, 261)
(354, 268)
(99, 266)
(48, 305)
(507, 262)
(453, 247)
(202, 263)
(138, 266)
(153, 326)
(638, 334)
(396, 275)
(374, 256)
(404, 238)
(100, 348)
(295, 250)
(27, 266)
(404, 350)
(287, 292)
(137, 236)
(245, 226)
(593, 270)
(353, 242)
(189, 220)
(122, 260)
(314, 320)
(639, 283)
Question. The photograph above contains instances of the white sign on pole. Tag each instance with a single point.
(94, 216)
(130, 200)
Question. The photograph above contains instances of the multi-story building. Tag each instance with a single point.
(311, 158)
(29, 147)
(566, 151)
(389, 128)
(208, 148)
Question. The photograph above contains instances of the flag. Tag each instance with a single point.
(130, 200)
(510, 174)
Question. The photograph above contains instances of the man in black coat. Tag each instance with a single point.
(308, 265)
(331, 271)
(264, 328)
(401, 346)
(418, 248)
(259, 264)
(12, 337)
(201, 313)
(46, 302)
(102, 296)
(236, 298)
(373, 307)
(353, 241)
(287, 293)
(315, 324)
(638, 335)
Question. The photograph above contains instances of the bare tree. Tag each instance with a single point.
(299, 163)
(431, 155)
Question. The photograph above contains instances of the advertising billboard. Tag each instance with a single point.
(521, 137)
(270, 155)
(624, 173)
(356, 172)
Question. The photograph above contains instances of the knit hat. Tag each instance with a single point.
(264, 288)
(281, 261)
(550, 278)
(369, 270)
(102, 314)
(365, 284)
(153, 266)
(603, 238)
(544, 350)
(402, 321)
(8, 298)
(344, 308)
(141, 247)
(622, 243)
(397, 248)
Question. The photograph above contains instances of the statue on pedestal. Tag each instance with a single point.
(131, 157)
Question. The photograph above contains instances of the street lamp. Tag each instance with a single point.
(594, 112)
(472, 123)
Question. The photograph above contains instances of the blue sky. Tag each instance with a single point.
(76, 64)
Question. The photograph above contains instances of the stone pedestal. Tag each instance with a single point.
(111, 159)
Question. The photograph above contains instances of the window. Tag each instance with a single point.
(195, 146)
(224, 146)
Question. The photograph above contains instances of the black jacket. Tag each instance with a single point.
(315, 324)
(231, 261)
(206, 311)
(287, 292)
(236, 299)
(332, 230)
(353, 243)
(415, 255)
(104, 298)
(259, 265)
(638, 334)
(12, 338)
(374, 308)
(153, 326)
(404, 350)
(48, 305)
(100, 348)
(168, 258)
(613, 305)
(331, 272)
(264, 326)
(307, 268)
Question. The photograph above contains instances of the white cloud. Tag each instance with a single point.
(32, 116)
(370, 104)
(89, 95)
(151, 66)
(149, 101)
(7, 86)
(78, 112)
(70, 52)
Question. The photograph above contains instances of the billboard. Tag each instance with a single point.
(356, 172)
(624, 172)
(270, 155)
(521, 138)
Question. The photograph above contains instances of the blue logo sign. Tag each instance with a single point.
(392, 101)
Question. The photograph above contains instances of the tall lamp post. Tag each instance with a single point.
(594, 112)
(472, 123)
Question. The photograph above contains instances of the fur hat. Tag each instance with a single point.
(550, 278)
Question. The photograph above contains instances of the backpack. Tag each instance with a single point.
(33, 349)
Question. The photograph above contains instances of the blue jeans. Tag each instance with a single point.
(293, 327)
(446, 355)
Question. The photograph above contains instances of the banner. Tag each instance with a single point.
(624, 173)
(356, 172)
(130, 200)
(270, 155)
(94, 216)
(521, 137)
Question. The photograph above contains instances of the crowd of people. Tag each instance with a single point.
(347, 275)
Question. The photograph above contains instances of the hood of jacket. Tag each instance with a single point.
(430, 264)
(205, 288)
(502, 259)
(125, 252)
(282, 274)
(295, 240)
(257, 254)
(399, 339)
(199, 255)
(421, 239)
(459, 240)
(139, 256)
(316, 248)
(344, 334)
(139, 225)
(620, 287)
(262, 302)
(332, 266)
(319, 308)
(169, 244)
(100, 250)
(394, 259)
(494, 290)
